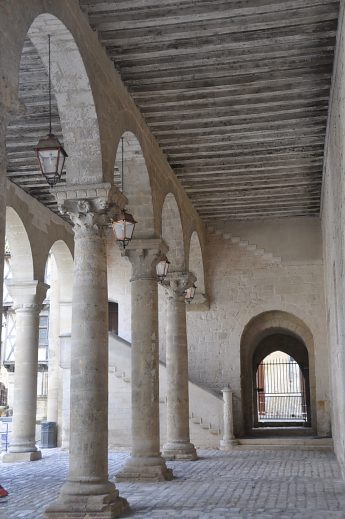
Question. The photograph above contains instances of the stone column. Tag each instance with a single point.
(145, 462)
(178, 445)
(28, 298)
(228, 441)
(2, 200)
(65, 381)
(87, 491)
(53, 349)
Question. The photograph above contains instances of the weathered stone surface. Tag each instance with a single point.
(178, 445)
(145, 461)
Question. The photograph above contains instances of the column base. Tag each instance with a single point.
(99, 506)
(227, 445)
(13, 457)
(145, 469)
(181, 451)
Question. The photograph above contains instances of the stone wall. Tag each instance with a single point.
(241, 283)
(333, 218)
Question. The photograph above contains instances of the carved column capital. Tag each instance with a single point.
(28, 296)
(144, 256)
(176, 284)
(90, 207)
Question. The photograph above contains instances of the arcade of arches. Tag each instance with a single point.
(250, 213)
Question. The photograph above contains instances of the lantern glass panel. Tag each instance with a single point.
(190, 292)
(49, 159)
(120, 230)
(129, 229)
(162, 268)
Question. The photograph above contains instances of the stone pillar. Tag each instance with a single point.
(28, 298)
(65, 381)
(87, 491)
(2, 202)
(228, 441)
(53, 349)
(145, 462)
(64, 372)
(178, 445)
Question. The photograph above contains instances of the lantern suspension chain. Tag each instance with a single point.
(49, 87)
(122, 164)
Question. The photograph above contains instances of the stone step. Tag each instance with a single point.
(282, 442)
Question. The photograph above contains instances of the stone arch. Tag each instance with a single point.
(196, 266)
(64, 264)
(259, 330)
(132, 178)
(172, 233)
(72, 90)
(21, 253)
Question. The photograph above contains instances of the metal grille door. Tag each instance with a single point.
(281, 395)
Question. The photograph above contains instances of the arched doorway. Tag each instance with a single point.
(281, 392)
(288, 375)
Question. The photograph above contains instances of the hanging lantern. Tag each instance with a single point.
(51, 157)
(162, 269)
(123, 228)
(189, 294)
(50, 153)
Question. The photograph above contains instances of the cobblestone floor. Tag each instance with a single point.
(246, 484)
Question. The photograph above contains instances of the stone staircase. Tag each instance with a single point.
(206, 408)
(244, 244)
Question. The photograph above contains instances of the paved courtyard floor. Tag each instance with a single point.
(243, 484)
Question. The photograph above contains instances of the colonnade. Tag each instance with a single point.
(87, 486)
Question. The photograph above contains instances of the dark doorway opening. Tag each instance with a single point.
(113, 311)
(281, 393)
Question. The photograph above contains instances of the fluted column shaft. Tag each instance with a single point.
(145, 462)
(87, 491)
(28, 298)
(178, 445)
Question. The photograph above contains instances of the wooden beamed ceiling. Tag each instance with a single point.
(27, 128)
(236, 93)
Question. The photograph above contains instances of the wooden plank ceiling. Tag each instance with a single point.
(235, 91)
(26, 129)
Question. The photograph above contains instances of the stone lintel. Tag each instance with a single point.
(14, 457)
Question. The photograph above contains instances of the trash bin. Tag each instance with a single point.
(48, 435)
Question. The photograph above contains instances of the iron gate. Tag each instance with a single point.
(281, 392)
